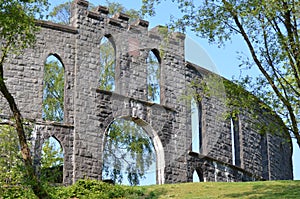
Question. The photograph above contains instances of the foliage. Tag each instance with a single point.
(127, 149)
(17, 32)
(96, 189)
(17, 24)
(115, 7)
(11, 159)
(53, 91)
(270, 31)
(51, 154)
(52, 161)
(61, 13)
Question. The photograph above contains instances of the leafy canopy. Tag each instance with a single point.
(17, 24)
(269, 29)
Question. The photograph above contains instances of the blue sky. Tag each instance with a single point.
(225, 58)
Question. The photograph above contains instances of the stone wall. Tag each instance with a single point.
(89, 111)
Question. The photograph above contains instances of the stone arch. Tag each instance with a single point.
(157, 54)
(107, 79)
(153, 62)
(51, 61)
(157, 144)
(48, 135)
(62, 134)
(111, 40)
(56, 55)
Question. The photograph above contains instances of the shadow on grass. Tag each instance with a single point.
(283, 190)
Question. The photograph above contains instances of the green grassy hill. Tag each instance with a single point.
(262, 189)
(91, 189)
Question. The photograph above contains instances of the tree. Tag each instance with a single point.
(270, 31)
(17, 32)
(114, 8)
(61, 13)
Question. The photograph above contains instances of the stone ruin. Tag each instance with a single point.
(88, 110)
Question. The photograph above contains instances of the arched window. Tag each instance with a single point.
(129, 154)
(52, 161)
(196, 128)
(107, 65)
(53, 90)
(153, 76)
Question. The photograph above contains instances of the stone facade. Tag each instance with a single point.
(88, 111)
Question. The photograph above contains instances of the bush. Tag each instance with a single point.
(95, 189)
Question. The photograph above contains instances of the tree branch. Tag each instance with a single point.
(265, 73)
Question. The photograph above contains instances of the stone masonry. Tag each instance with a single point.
(88, 111)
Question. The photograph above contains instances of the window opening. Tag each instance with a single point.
(129, 156)
(53, 90)
(52, 161)
(153, 78)
(196, 129)
(235, 141)
(107, 65)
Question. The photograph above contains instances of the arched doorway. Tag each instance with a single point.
(132, 153)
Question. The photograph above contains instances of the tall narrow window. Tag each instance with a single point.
(53, 90)
(265, 156)
(196, 134)
(153, 77)
(235, 142)
(107, 65)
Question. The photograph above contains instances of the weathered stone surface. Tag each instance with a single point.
(89, 111)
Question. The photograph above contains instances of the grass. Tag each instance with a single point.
(208, 190)
(95, 189)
